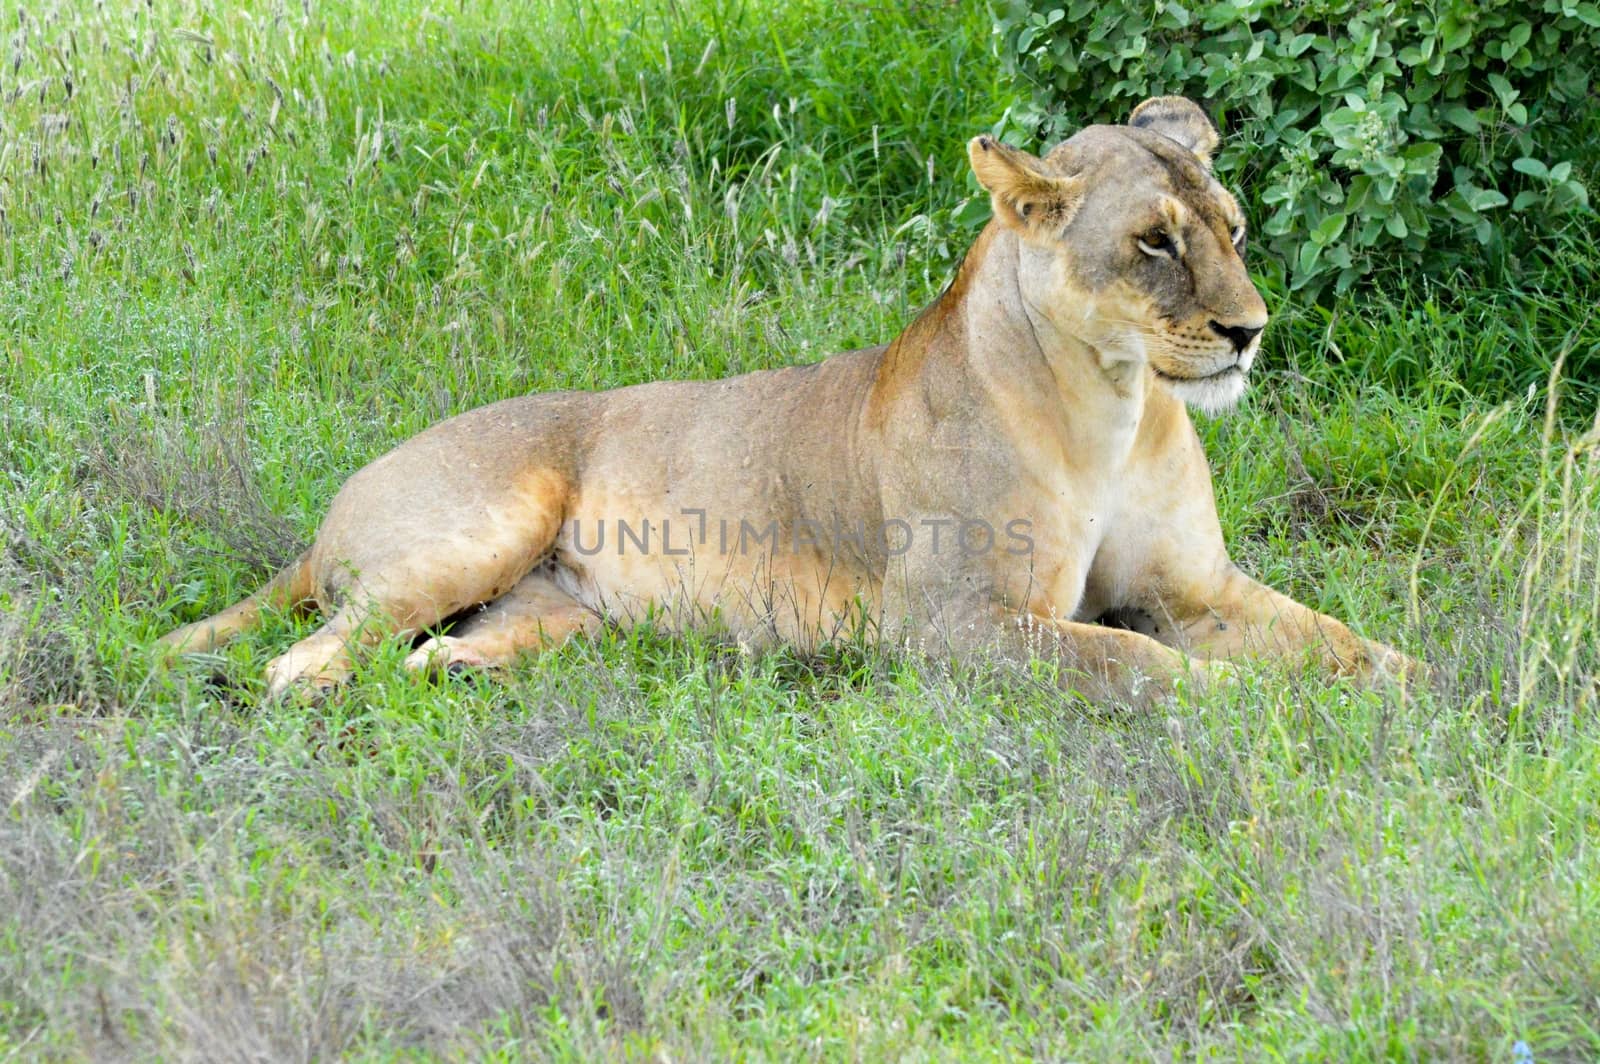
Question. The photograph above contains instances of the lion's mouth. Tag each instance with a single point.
(1210, 393)
(1198, 378)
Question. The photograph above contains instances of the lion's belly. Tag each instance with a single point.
(761, 577)
(716, 501)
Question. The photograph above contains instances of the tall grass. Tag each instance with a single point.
(1557, 530)
(248, 247)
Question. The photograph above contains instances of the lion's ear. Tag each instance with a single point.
(1025, 197)
(1178, 118)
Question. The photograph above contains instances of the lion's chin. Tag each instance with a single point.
(1213, 395)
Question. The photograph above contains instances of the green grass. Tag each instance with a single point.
(246, 252)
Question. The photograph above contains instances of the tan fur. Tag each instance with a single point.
(1040, 398)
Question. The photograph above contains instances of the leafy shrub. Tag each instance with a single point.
(1366, 132)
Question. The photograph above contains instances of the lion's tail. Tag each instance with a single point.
(289, 589)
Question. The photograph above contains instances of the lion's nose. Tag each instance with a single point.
(1238, 335)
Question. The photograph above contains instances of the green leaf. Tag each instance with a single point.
(1420, 122)
(1421, 158)
(1532, 167)
(1458, 115)
(1299, 43)
(1360, 189)
(1484, 199)
(1307, 262)
(1453, 32)
(1503, 89)
(1330, 229)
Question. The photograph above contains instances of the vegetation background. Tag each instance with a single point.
(1372, 137)
(249, 247)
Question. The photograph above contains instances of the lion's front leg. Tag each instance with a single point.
(1231, 616)
(976, 609)
(1094, 662)
(1099, 662)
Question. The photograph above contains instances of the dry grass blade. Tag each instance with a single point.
(200, 475)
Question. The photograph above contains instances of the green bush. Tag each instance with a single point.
(1366, 133)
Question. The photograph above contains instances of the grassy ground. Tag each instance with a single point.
(245, 251)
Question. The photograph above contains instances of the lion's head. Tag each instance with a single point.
(1131, 246)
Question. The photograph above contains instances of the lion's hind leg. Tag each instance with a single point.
(403, 598)
(534, 615)
(391, 563)
(396, 610)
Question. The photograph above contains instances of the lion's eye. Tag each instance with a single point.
(1158, 242)
(1238, 237)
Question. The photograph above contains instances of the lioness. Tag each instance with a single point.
(1017, 464)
